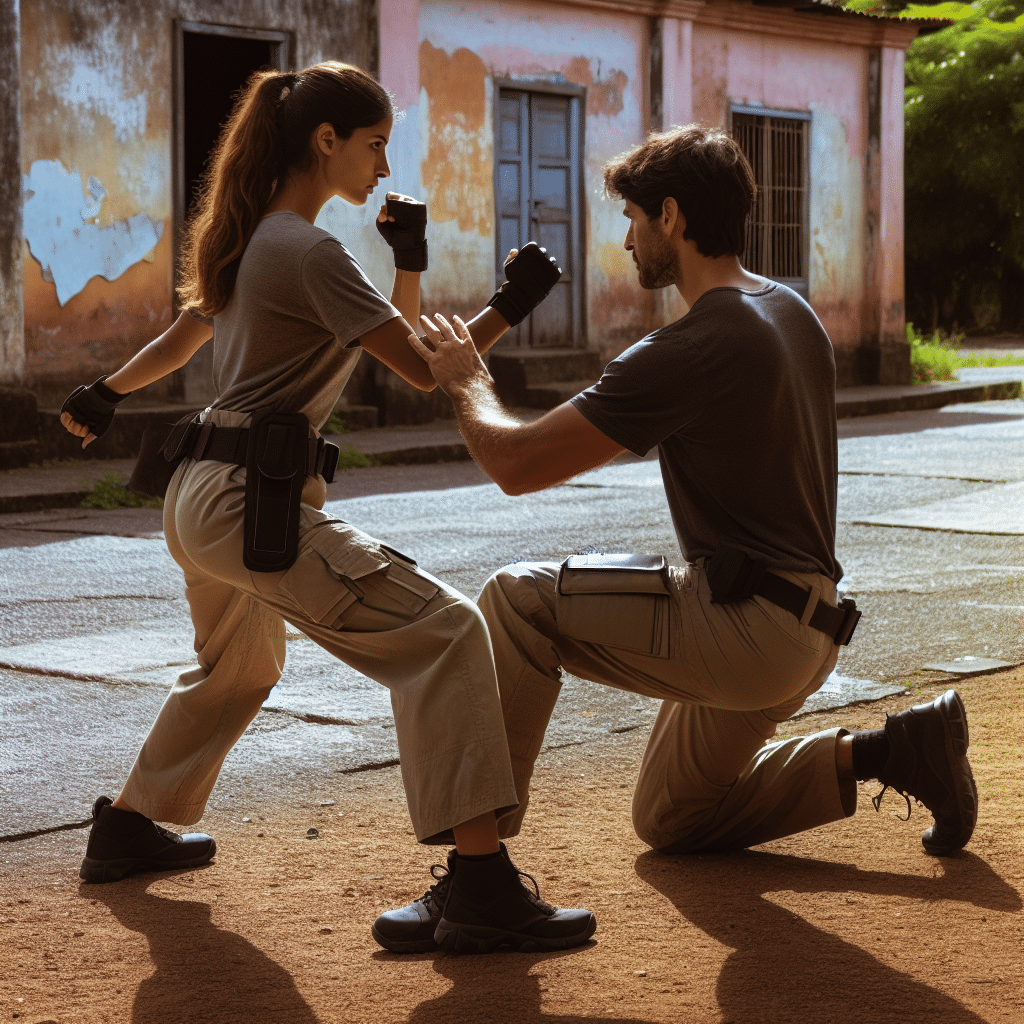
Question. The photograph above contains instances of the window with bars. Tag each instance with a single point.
(775, 142)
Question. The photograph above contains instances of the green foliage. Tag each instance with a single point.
(110, 492)
(352, 458)
(964, 104)
(335, 425)
(938, 357)
(931, 359)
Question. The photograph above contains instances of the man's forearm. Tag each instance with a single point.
(488, 429)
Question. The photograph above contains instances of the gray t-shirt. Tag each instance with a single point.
(288, 339)
(739, 398)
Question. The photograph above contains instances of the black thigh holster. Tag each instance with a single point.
(275, 475)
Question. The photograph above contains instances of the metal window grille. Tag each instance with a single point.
(776, 146)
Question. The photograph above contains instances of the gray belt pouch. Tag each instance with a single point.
(275, 474)
(619, 600)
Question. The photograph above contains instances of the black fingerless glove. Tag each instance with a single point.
(93, 406)
(530, 275)
(406, 234)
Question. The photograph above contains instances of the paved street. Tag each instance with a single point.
(95, 627)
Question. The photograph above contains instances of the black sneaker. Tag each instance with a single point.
(928, 761)
(123, 843)
(410, 929)
(488, 906)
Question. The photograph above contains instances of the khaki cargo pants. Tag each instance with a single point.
(733, 672)
(365, 604)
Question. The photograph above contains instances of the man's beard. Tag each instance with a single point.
(660, 267)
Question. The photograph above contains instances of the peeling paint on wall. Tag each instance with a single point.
(63, 234)
(604, 93)
(457, 172)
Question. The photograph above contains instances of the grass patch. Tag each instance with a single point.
(934, 358)
(938, 357)
(353, 458)
(110, 491)
(335, 425)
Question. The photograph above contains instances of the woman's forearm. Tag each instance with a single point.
(486, 328)
(165, 354)
(405, 295)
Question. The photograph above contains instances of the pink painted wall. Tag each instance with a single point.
(464, 47)
(828, 79)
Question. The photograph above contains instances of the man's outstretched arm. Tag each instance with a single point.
(519, 457)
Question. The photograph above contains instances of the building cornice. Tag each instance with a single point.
(830, 25)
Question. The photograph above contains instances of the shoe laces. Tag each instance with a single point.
(534, 896)
(439, 890)
(877, 800)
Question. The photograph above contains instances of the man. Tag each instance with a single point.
(739, 397)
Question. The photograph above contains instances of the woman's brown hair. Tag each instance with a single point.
(269, 132)
(706, 173)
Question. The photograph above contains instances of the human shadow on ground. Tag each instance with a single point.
(917, 421)
(503, 987)
(202, 974)
(783, 968)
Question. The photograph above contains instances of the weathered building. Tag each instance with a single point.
(511, 109)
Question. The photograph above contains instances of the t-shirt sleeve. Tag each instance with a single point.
(643, 396)
(341, 295)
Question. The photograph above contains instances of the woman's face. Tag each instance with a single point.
(354, 166)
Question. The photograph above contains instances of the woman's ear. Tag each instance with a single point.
(324, 138)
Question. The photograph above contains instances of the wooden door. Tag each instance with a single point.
(537, 174)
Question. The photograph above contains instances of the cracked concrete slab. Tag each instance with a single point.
(995, 510)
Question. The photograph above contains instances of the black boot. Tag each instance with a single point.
(410, 929)
(489, 906)
(123, 843)
(928, 761)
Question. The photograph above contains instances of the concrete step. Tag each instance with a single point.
(517, 372)
(121, 441)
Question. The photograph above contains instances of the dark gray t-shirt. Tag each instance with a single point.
(288, 339)
(739, 398)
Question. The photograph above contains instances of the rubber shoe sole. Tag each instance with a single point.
(394, 946)
(98, 871)
(467, 938)
(957, 738)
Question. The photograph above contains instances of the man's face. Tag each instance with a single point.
(655, 257)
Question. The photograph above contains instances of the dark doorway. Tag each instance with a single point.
(215, 69)
(212, 63)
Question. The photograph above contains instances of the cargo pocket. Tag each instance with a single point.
(616, 601)
(342, 570)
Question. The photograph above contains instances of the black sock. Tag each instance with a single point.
(870, 752)
(477, 857)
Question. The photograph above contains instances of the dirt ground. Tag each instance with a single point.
(849, 924)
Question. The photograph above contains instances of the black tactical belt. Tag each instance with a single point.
(838, 623)
(231, 444)
(734, 576)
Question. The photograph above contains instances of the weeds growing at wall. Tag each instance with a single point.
(110, 491)
(938, 357)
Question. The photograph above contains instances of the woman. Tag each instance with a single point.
(292, 308)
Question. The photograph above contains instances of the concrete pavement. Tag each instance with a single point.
(64, 483)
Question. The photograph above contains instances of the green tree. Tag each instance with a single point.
(964, 159)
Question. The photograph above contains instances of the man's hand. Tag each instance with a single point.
(402, 222)
(450, 353)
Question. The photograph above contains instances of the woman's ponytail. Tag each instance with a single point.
(233, 193)
(268, 133)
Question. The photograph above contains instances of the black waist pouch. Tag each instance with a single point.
(275, 475)
(163, 447)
